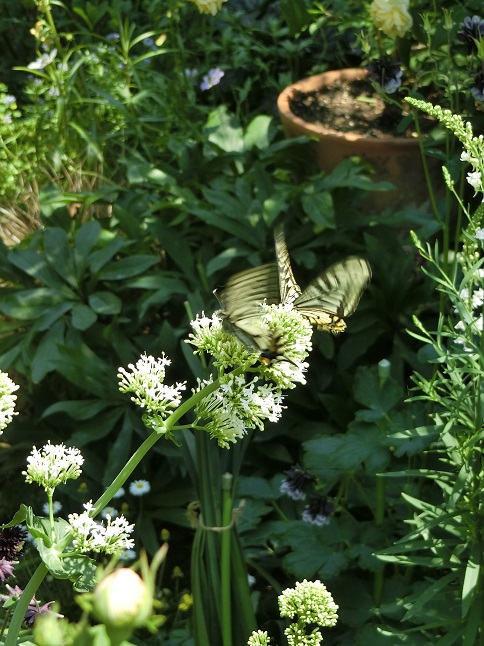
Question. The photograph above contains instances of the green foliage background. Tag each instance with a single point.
(127, 195)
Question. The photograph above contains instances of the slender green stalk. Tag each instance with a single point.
(225, 588)
(22, 604)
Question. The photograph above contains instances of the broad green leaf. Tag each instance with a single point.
(43, 360)
(105, 303)
(31, 303)
(35, 265)
(224, 130)
(257, 132)
(319, 208)
(78, 409)
(83, 317)
(99, 258)
(59, 255)
(127, 267)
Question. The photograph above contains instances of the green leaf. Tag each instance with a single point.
(83, 317)
(318, 206)
(224, 130)
(31, 303)
(43, 360)
(257, 134)
(79, 410)
(127, 267)
(59, 255)
(105, 303)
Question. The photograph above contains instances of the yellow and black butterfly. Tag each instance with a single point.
(240, 302)
(325, 301)
(329, 298)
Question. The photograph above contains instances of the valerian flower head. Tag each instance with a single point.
(471, 31)
(259, 638)
(311, 602)
(391, 16)
(209, 6)
(90, 535)
(7, 400)
(296, 481)
(53, 465)
(283, 323)
(236, 406)
(146, 382)
(386, 73)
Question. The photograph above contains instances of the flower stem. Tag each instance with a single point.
(23, 603)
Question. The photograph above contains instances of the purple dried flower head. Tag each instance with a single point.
(297, 479)
(478, 90)
(6, 569)
(11, 542)
(318, 511)
(213, 77)
(472, 30)
(386, 73)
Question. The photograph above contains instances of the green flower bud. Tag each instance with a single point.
(122, 601)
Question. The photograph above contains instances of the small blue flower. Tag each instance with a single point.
(7, 100)
(212, 78)
(149, 42)
(112, 36)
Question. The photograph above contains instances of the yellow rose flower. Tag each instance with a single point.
(209, 6)
(391, 16)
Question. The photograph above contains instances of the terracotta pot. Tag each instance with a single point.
(395, 159)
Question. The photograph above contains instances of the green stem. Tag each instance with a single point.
(22, 604)
(226, 538)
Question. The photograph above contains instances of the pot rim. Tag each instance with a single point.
(314, 82)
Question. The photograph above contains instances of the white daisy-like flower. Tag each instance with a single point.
(139, 487)
(56, 507)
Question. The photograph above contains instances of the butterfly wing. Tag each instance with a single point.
(334, 294)
(240, 301)
(289, 289)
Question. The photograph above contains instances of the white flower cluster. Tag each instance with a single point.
(53, 465)
(90, 535)
(238, 405)
(469, 308)
(145, 380)
(282, 322)
(7, 400)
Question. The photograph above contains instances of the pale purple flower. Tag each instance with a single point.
(212, 78)
(7, 100)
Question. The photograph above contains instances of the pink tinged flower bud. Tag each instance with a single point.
(122, 601)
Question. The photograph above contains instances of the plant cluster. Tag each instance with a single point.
(142, 166)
